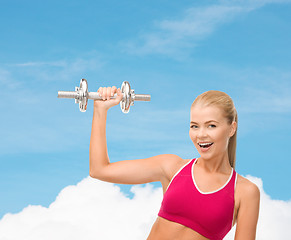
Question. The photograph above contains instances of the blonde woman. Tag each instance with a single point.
(203, 197)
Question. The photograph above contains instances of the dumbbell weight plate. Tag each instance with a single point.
(82, 95)
(126, 101)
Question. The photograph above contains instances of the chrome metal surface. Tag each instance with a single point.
(81, 96)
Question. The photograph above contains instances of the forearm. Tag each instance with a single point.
(98, 154)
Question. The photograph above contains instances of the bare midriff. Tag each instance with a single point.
(164, 229)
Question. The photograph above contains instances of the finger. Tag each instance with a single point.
(113, 90)
(119, 94)
(108, 93)
(100, 91)
(103, 93)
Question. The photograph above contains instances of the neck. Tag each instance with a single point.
(216, 164)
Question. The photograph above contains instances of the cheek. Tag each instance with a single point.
(192, 137)
(223, 138)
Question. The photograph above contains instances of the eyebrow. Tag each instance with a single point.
(205, 122)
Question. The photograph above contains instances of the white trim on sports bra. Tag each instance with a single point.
(192, 172)
(233, 196)
(177, 173)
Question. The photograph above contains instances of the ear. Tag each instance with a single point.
(233, 127)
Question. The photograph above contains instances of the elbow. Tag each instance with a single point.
(98, 174)
(92, 174)
(92, 171)
(97, 171)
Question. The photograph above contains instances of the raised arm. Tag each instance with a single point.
(126, 171)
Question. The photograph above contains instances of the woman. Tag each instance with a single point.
(203, 197)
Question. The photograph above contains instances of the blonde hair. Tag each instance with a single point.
(225, 103)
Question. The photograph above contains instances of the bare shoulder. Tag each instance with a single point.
(247, 190)
(248, 210)
(171, 163)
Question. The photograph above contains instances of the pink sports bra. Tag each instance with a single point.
(210, 214)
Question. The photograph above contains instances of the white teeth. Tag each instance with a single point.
(204, 144)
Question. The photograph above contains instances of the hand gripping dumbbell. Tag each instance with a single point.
(82, 95)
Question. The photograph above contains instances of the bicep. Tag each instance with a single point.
(248, 214)
(136, 171)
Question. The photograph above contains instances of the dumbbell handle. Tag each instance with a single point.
(95, 96)
(67, 94)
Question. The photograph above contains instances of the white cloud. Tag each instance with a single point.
(97, 210)
(274, 218)
(90, 210)
(170, 37)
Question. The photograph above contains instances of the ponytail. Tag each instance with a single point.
(232, 148)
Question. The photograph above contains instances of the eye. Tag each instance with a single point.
(212, 126)
(194, 126)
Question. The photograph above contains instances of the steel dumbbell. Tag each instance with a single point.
(81, 96)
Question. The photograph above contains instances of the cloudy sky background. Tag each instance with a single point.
(171, 50)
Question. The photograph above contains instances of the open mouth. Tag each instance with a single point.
(205, 145)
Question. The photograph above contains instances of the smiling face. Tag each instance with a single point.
(210, 131)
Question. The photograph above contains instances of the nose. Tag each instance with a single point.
(202, 133)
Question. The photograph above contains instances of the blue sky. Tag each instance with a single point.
(173, 50)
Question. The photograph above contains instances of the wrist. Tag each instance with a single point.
(99, 111)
